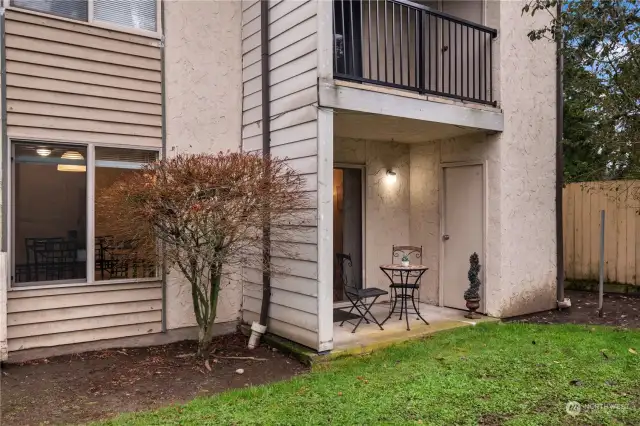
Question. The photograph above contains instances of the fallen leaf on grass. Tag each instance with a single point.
(633, 351)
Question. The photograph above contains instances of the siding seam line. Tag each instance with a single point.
(16, 34)
(86, 330)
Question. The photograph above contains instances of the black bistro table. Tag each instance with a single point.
(404, 289)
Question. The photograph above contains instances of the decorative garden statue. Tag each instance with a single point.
(472, 295)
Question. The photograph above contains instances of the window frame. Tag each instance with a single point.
(90, 222)
(98, 24)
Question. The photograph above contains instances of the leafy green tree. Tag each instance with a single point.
(601, 84)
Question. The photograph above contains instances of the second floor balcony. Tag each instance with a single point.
(409, 46)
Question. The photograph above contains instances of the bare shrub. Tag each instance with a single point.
(206, 212)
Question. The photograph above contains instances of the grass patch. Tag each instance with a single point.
(512, 374)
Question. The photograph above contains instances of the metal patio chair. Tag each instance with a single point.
(357, 296)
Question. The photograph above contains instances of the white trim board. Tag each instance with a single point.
(373, 102)
(325, 230)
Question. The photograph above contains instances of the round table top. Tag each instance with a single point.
(399, 267)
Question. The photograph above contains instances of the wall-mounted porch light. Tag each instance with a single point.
(391, 176)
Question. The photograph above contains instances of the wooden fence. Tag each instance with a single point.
(582, 203)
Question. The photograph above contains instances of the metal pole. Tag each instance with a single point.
(601, 284)
(559, 158)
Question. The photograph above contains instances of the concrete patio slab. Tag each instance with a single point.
(369, 337)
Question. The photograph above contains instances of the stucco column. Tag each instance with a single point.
(203, 113)
(527, 167)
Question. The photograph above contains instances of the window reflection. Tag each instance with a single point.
(115, 254)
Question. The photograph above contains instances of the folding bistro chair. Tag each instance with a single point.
(357, 296)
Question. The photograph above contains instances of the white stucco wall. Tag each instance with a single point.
(204, 110)
(424, 218)
(527, 158)
(386, 204)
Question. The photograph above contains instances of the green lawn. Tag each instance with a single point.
(513, 374)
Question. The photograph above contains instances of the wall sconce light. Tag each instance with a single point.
(391, 176)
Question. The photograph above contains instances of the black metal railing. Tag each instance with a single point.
(405, 45)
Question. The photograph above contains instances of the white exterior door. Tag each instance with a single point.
(463, 226)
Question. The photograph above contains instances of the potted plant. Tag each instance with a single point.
(472, 294)
(405, 260)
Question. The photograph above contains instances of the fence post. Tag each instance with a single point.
(601, 283)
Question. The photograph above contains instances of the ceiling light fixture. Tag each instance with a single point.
(74, 156)
(43, 152)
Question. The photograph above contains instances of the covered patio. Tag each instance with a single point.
(423, 188)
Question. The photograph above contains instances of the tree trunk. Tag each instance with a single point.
(208, 314)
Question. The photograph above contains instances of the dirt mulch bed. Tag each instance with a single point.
(94, 385)
(619, 310)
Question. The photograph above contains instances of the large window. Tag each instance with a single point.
(57, 235)
(141, 14)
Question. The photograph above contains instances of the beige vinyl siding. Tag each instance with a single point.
(76, 83)
(294, 129)
(67, 315)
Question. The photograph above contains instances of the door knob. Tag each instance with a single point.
(445, 237)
